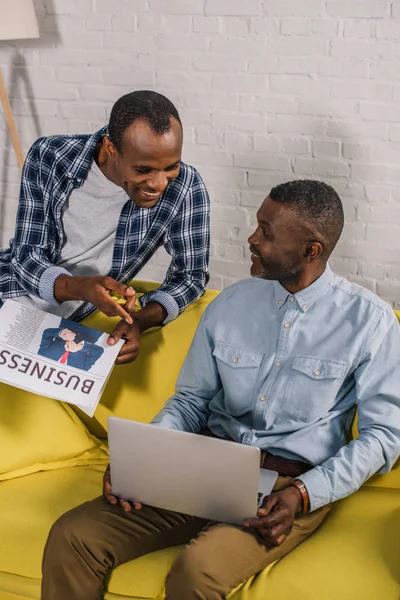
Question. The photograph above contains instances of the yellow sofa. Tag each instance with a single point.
(52, 458)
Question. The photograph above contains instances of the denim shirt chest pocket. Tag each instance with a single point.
(239, 370)
(312, 387)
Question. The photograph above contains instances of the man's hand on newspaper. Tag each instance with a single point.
(109, 496)
(130, 333)
(97, 290)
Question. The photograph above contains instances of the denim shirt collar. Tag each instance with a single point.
(305, 298)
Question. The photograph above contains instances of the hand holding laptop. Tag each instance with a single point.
(109, 496)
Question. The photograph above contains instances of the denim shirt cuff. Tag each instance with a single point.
(317, 488)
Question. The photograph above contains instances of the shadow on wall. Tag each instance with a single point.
(20, 85)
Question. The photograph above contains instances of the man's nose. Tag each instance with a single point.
(158, 182)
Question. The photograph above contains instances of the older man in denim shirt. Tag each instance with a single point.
(280, 362)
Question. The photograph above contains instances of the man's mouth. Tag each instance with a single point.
(149, 195)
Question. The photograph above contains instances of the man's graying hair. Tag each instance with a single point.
(318, 205)
(149, 106)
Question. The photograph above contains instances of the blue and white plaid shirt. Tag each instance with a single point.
(180, 221)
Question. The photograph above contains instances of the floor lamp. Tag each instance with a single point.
(18, 21)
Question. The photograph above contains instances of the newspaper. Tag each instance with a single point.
(54, 357)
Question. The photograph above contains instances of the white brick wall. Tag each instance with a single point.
(268, 91)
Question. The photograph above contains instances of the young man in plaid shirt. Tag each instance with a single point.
(94, 209)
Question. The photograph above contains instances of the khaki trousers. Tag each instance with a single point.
(90, 540)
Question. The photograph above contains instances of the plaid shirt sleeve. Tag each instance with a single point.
(35, 228)
(187, 241)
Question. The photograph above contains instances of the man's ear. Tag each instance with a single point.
(109, 147)
(313, 251)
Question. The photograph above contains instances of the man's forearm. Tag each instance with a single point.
(152, 315)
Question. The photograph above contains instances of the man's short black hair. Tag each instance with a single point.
(150, 106)
(318, 205)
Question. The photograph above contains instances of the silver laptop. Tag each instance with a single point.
(184, 472)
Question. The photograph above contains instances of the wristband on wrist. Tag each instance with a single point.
(297, 483)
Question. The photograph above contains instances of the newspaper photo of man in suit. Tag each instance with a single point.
(71, 345)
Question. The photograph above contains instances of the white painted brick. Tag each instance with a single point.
(342, 266)
(358, 8)
(150, 24)
(295, 26)
(356, 151)
(98, 22)
(361, 28)
(361, 48)
(351, 130)
(125, 7)
(275, 64)
(63, 56)
(129, 77)
(238, 83)
(327, 28)
(181, 80)
(303, 125)
(181, 42)
(230, 251)
(264, 26)
(235, 26)
(237, 142)
(206, 24)
(332, 108)
(123, 23)
(295, 146)
(251, 199)
(263, 161)
(222, 64)
(380, 214)
(74, 110)
(326, 149)
(269, 104)
(214, 100)
(123, 40)
(297, 46)
(380, 111)
(296, 84)
(105, 93)
(394, 134)
(72, 75)
(238, 121)
(208, 136)
(305, 8)
(238, 46)
(265, 143)
(372, 271)
(387, 235)
(266, 180)
(196, 116)
(204, 156)
(77, 7)
(386, 70)
(331, 168)
(347, 68)
(386, 153)
(375, 173)
(233, 7)
(362, 89)
(180, 7)
(354, 232)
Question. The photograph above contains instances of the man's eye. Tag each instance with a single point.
(172, 168)
(142, 171)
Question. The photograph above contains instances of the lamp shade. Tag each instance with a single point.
(17, 20)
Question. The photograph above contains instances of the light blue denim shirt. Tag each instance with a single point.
(286, 372)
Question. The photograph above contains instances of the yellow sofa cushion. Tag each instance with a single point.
(37, 433)
(354, 556)
(139, 390)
